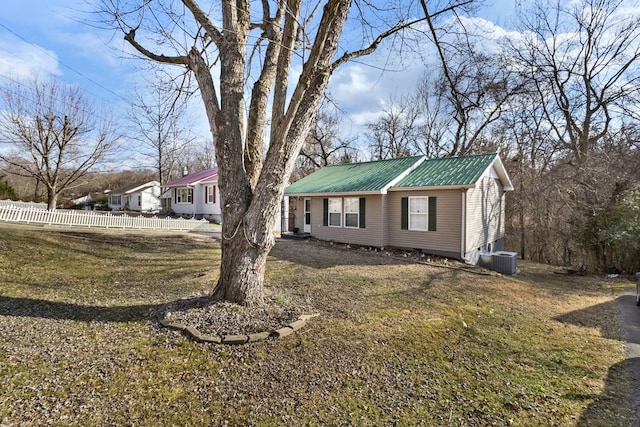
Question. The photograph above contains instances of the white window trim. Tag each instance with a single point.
(356, 213)
(179, 200)
(425, 214)
(340, 212)
(209, 191)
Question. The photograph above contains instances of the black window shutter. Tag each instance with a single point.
(325, 212)
(175, 195)
(362, 209)
(432, 213)
(404, 213)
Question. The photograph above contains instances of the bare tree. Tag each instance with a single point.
(324, 144)
(584, 59)
(468, 90)
(50, 132)
(202, 155)
(397, 132)
(159, 125)
(250, 49)
(529, 157)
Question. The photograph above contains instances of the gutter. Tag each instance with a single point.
(336, 194)
(434, 187)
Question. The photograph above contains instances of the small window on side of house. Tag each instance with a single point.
(335, 212)
(351, 212)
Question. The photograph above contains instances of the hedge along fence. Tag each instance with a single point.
(95, 219)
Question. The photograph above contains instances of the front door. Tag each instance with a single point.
(307, 215)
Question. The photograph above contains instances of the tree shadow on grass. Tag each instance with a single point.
(602, 316)
(622, 384)
(55, 310)
(613, 406)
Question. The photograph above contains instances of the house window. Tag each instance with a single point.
(115, 200)
(352, 212)
(418, 213)
(210, 194)
(184, 195)
(139, 200)
(335, 212)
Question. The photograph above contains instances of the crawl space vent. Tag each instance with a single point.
(504, 262)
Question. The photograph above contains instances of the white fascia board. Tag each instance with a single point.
(208, 180)
(402, 175)
(497, 165)
(142, 187)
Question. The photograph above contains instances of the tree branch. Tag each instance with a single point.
(178, 60)
(204, 20)
(393, 30)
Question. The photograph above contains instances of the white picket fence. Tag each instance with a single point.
(19, 204)
(98, 219)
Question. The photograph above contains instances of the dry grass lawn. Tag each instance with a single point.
(397, 341)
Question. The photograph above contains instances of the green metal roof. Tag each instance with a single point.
(395, 174)
(448, 171)
(366, 177)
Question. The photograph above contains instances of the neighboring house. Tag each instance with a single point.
(141, 197)
(195, 195)
(82, 201)
(452, 206)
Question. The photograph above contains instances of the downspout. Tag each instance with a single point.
(463, 225)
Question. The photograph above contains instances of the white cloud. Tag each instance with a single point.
(20, 60)
(363, 90)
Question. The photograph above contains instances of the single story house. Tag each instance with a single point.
(140, 196)
(452, 206)
(194, 195)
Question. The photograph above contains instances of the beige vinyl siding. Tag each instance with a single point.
(446, 238)
(485, 214)
(371, 235)
(384, 212)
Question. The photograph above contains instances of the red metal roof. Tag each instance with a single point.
(207, 175)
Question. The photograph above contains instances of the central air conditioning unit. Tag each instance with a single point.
(504, 262)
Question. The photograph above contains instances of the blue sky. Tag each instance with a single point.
(40, 37)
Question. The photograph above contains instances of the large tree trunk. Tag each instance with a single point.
(52, 200)
(242, 271)
(245, 249)
(250, 205)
